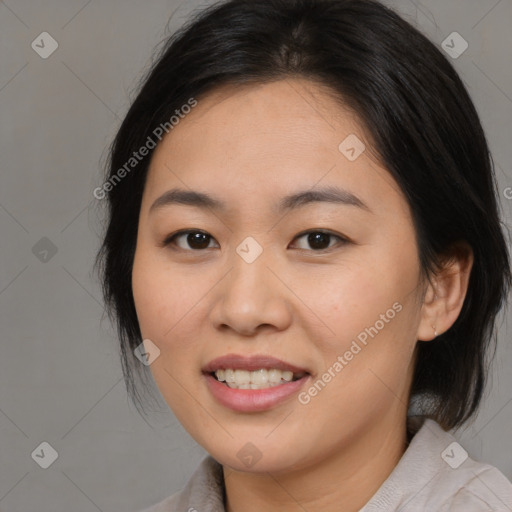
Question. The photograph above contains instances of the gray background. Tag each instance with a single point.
(60, 377)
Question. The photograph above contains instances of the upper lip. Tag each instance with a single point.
(250, 363)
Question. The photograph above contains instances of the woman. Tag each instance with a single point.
(303, 242)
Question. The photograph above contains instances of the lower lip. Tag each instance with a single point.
(252, 400)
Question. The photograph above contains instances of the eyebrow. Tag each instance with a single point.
(294, 201)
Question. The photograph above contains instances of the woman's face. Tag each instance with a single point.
(345, 310)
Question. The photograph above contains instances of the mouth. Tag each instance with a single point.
(253, 372)
(255, 383)
(262, 378)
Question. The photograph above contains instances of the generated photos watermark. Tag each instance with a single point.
(138, 156)
(355, 348)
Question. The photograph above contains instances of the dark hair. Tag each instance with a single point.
(423, 127)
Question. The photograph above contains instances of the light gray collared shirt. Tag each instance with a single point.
(434, 475)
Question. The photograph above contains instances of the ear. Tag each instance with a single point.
(444, 297)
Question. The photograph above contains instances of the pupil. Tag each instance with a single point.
(195, 240)
(318, 240)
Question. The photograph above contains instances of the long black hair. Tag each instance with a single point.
(423, 127)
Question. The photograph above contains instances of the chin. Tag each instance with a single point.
(250, 459)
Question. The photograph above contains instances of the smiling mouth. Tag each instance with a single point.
(257, 379)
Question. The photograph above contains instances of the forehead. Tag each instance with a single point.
(286, 117)
(254, 142)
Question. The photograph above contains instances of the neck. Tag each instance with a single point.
(347, 478)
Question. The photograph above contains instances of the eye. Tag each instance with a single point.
(196, 239)
(319, 240)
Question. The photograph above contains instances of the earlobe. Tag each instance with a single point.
(445, 296)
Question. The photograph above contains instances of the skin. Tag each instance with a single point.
(250, 146)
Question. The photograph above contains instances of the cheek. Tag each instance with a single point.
(348, 298)
(160, 295)
(150, 296)
(369, 300)
(164, 313)
(170, 310)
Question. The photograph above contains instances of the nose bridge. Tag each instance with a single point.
(249, 278)
(251, 295)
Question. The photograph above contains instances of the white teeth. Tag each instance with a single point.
(274, 376)
(258, 379)
(242, 377)
(288, 376)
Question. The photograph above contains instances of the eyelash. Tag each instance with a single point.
(170, 240)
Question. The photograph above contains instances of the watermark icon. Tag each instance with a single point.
(138, 156)
(508, 193)
(44, 250)
(45, 455)
(352, 147)
(454, 455)
(249, 454)
(44, 45)
(146, 352)
(454, 45)
(249, 249)
(343, 360)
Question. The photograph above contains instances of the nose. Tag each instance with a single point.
(252, 297)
